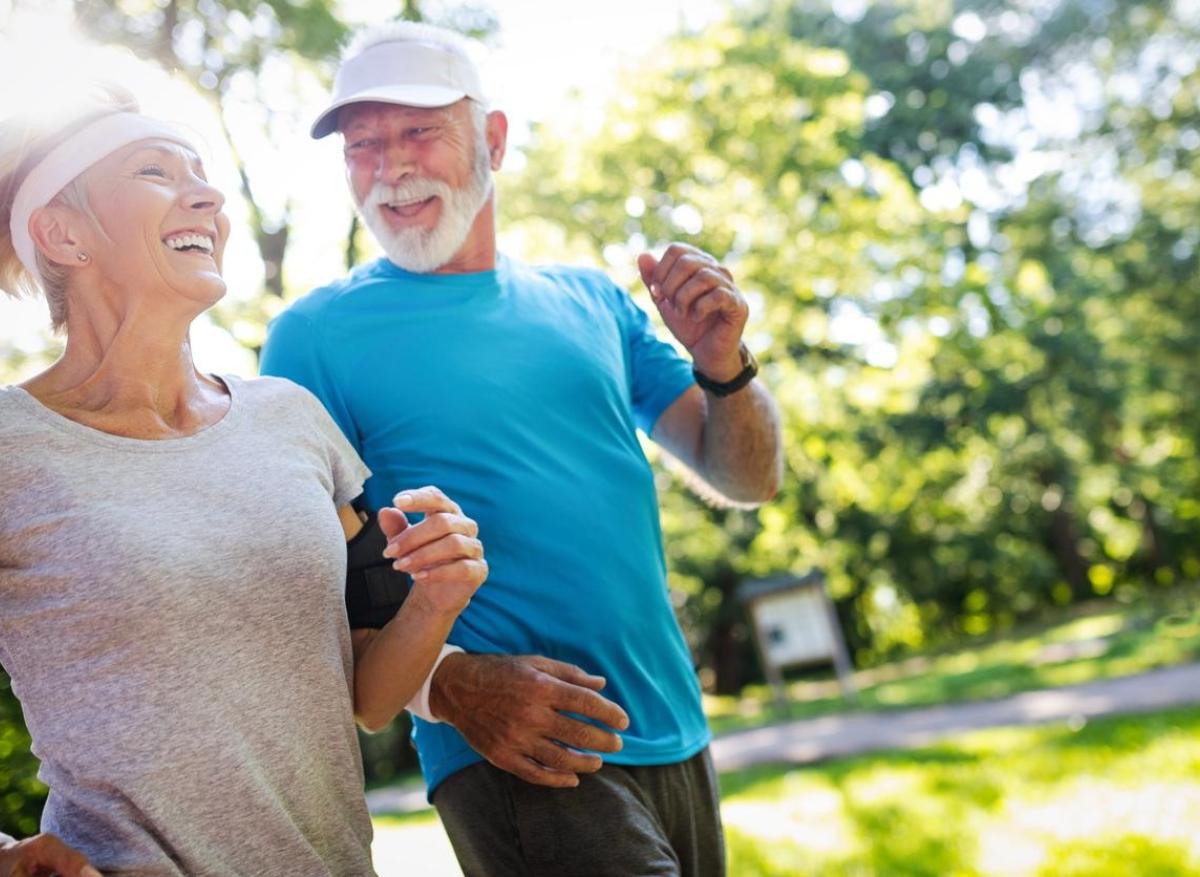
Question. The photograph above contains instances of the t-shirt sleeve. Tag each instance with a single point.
(658, 374)
(348, 470)
(293, 351)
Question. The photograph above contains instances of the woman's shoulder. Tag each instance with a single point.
(284, 407)
(277, 396)
(30, 440)
(264, 387)
(18, 412)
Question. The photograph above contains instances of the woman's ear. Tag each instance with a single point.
(54, 230)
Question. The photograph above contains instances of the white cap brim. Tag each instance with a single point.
(408, 73)
(404, 95)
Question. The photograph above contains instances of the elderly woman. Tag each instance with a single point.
(172, 564)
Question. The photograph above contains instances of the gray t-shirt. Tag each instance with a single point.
(172, 617)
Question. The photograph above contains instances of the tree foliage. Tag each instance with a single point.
(979, 320)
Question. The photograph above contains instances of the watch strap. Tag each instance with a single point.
(741, 379)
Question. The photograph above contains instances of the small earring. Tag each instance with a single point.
(82, 257)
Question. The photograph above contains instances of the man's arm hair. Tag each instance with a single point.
(731, 444)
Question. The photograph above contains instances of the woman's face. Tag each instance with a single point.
(162, 219)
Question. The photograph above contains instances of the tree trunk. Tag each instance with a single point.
(1065, 537)
(1157, 554)
(352, 251)
(726, 640)
(1064, 533)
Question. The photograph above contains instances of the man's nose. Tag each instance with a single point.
(396, 161)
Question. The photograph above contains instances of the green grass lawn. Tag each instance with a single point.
(1100, 641)
(1116, 796)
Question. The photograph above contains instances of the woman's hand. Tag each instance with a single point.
(444, 556)
(43, 854)
(442, 553)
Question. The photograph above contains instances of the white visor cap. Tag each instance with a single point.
(406, 72)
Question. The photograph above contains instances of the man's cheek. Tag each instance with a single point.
(360, 186)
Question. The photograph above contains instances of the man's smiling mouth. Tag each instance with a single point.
(408, 209)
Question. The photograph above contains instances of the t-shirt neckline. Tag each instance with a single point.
(66, 425)
(475, 280)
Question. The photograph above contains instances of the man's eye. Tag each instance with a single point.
(365, 143)
(419, 132)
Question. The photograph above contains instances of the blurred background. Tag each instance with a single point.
(970, 234)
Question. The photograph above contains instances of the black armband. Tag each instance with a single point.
(374, 590)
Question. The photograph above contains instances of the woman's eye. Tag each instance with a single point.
(153, 170)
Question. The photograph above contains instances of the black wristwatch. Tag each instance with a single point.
(725, 388)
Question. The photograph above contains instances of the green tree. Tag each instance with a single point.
(981, 352)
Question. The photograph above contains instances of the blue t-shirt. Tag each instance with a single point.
(519, 393)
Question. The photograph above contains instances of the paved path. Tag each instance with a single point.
(807, 740)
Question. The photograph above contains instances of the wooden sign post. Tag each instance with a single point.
(795, 625)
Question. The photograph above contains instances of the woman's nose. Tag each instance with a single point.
(206, 197)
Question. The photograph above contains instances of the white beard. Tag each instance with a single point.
(424, 250)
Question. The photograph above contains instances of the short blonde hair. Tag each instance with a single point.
(25, 141)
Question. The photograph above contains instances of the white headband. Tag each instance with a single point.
(71, 158)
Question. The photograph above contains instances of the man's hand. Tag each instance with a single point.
(43, 854)
(442, 553)
(701, 306)
(511, 711)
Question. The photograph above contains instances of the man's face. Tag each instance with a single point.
(419, 177)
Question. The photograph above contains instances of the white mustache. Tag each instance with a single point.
(414, 189)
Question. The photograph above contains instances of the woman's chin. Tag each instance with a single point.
(218, 292)
(205, 291)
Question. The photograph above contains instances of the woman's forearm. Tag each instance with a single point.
(390, 664)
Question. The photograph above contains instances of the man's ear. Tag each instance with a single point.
(497, 137)
(55, 232)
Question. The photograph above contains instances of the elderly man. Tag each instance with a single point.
(520, 391)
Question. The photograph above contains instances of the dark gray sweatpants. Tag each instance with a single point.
(622, 821)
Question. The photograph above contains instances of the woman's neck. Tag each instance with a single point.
(131, 374)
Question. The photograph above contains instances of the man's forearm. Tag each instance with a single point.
(741, 452)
